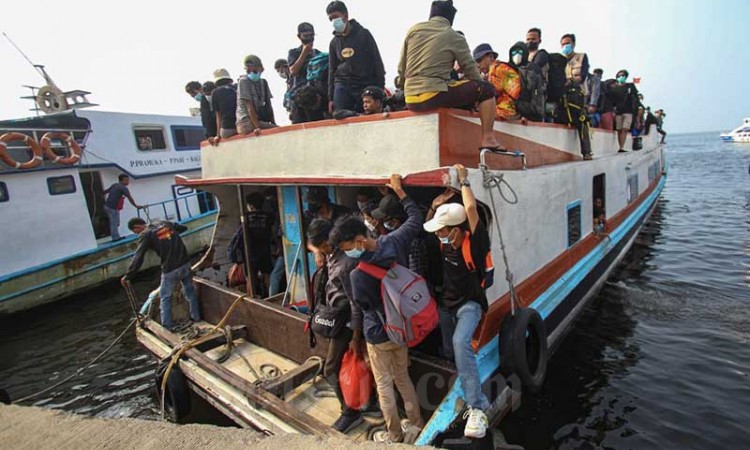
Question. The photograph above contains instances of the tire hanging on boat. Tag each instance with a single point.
(523, 348)
(36, 159)
(176, 395)
(74, 150)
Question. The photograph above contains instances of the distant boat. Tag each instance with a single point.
(739, 134)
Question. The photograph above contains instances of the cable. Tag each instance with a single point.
(79, 371)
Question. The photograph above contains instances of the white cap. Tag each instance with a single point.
(448, 215)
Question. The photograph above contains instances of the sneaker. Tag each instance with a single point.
(476, 425)
(346, 423)
(587, 157)
(382, 436)
(622, 150)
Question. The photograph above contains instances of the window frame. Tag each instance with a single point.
(179, 148)
(4, 189)
(570, 206)
(70, 177)
(150, 127)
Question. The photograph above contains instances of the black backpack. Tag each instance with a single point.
(324, 320)
(556, 77)
(533, 93)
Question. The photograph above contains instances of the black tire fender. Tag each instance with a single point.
(177, 395)
(523, 348)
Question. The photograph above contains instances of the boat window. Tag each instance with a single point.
(61, 185)
(4, 197)
(653, 171)
(150, 138)
(574, 222)
(599, 196)
(632, 187)
(187, 137)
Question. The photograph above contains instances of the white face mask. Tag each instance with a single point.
(517, 59)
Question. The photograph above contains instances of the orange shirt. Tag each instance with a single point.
(507, 82)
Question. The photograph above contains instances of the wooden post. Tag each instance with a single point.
(249, 269)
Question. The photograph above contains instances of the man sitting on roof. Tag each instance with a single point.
(504, 77)
(424, 71)
(254, 109)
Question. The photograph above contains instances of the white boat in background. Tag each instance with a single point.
(740, 134)
(55, 233)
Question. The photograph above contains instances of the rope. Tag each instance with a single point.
(132, 300)
(489, 181)
(178, 352)
(82, 369)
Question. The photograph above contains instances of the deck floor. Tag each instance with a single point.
(315, 397)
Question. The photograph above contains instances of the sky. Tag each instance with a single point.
(137, 56)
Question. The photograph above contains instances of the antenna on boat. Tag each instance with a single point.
(50, 98)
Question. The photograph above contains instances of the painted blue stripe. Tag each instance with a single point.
(98, 249)
(89, 269)
(488, 357)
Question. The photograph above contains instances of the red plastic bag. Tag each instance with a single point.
(356, 381)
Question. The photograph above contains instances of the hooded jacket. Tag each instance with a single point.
(354, 58)
(367, 309)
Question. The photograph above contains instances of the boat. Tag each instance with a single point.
(536, 198)
(740, 134)
(54, 170)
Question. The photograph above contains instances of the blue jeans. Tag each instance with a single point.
(277, 276)
(467, 319)
(114, 222)
(348, 96)
(168, 281)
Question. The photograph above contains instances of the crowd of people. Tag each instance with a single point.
(436, 70)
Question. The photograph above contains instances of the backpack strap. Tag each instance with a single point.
(372, 270)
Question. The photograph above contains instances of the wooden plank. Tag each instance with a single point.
(282, 385)
(254, 394)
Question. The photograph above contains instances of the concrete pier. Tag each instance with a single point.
(34, 428)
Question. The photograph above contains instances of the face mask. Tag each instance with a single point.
(339, 25)
(533, 45)
(362, 205)
(354, 253)
(517, 59)
(388, 226)
(445, 240)
(567, 49)
(253, 76)
(622, 79)
(284, 75)
(198, 97)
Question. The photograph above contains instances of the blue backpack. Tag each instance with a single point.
(317, 68)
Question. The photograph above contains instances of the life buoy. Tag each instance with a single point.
(74, 149)
(176, 395)
(35, 161)
(523, 348)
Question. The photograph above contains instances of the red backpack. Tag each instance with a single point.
(410, 311)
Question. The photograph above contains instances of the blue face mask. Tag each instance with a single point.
(198, 97)
(622, 79)
(253, 76)
(388, 226)
(567, 49)
(354, 253)
(339, 25)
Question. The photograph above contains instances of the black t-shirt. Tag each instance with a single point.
(301, 77)
(624, 97)
(224, 101)
(459, 284)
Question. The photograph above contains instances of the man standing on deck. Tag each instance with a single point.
(353, 61)
(389, 360)
(424, 71)
(298, 60)
(164, 239)
(115, 201)
(624, 97)
(574, 98)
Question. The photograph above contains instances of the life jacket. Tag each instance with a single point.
(487, 279)
(530, 103)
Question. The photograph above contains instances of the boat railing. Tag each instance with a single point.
(180, 208)
(512, 154)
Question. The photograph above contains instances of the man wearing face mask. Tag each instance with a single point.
(202, 94)
(392, 216)
(282, 68)
(389, 360)
(624, 96)
(353, 61)
(299, 60)
(573, 107)
(577, 69)
(463, 291)
(254, 109)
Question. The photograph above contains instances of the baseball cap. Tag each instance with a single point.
(254, 60)
(448, 215)
(388, 207)
(305, 27)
